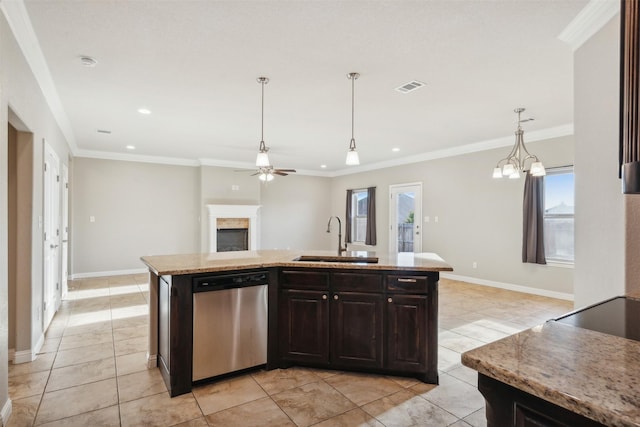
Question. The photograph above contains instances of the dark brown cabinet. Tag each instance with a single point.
(375, 321)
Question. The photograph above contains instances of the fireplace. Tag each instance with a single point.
(233, 227)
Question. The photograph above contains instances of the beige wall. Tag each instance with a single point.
(479, 218)
(12, 188)
(139, 209)
(599, 272)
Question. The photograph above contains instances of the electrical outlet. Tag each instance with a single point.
(92, 218)
(435, 219)
(475, 264)
(426, 219)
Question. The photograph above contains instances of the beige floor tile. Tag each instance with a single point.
(227, 393)
(82, 373)
(107, 417)
(259, 413)
(89, 328)
(406, 409)
(465, 374)
(198, 422)
(131, 289)
(128, 300)
(140, 384)
(77, 400)
(159, 410)
(83, 340)
(28, 384)
(43, 362)
(458, 343)
(363, 388)
(279, 380)
(355, 417)
(50, 345)
(133, 362)
(129, 322)
(89, 318)
(404, 382)
(131, 332)
(23, 412)
(479, 333)
(83, 354)
(131, 345)
(130, 311)
(453, 395)
(312, 403)
(477, 419)
(124, 279)
(448, 359)
(460, 423)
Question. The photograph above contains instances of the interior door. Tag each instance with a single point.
(405, 211)
(51, 291)
(64, 262)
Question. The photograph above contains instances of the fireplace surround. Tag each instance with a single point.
(236, 212)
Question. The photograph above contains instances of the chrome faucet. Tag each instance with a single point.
(340, 248)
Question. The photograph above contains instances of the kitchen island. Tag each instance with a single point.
(559, 374)
(349, 312)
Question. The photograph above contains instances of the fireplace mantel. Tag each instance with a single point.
(233, 211)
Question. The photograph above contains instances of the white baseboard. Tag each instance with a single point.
(38, 346)
(5, 413)
(108, 273)
(24, 356)
(509, 286)
(152, 360)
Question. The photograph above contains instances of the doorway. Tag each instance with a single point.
(405, 211)
(52, 262)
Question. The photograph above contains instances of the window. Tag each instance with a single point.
(559, 215)
(359, 204)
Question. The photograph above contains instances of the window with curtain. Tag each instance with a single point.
(361, 218)
(559, 212)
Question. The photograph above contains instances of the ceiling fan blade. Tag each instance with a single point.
(257, 173)
(277, 172)
(286, 170)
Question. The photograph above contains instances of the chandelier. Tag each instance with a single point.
(515, 163)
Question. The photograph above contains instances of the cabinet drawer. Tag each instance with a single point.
(356, 282)
(304, 279)
(408, 284)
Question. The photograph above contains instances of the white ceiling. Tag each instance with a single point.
(194, 64)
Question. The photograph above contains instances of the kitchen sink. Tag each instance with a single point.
(337, 258)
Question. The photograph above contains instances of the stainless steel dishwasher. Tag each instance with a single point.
(229, 323)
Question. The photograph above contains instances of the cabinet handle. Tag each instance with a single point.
(390, 299)
(403, 280)
(324, 297)
(335, 297)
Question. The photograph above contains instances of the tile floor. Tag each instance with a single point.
(92, 371)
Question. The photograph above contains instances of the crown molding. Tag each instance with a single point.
(490, 144)
(589, 21)
(106, 155)
(15, 12)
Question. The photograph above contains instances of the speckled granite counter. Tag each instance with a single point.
(244, 260)
(589, 373)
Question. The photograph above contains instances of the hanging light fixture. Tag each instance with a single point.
(262, 160)
(352, 154)
(514, 163)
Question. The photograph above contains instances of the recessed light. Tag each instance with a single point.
(88, 61)
(130, 147)
(395, 149)
(144, 111)
(323, 166)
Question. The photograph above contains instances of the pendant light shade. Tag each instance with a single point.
(352, 155)
(262, 160)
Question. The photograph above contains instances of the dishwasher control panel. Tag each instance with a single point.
(230, 281)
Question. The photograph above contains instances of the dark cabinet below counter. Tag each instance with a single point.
(353, 320)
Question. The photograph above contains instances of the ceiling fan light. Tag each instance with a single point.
(352, 158)
(262, 160)
(537, 169)
(497, 172)
(266, 177)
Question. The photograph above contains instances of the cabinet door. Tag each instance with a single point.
(356, 330)
(304, 326)
(407, 332)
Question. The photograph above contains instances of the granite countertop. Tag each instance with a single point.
(244, 260)
(590, 373)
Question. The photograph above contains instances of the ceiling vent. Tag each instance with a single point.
(410, 87)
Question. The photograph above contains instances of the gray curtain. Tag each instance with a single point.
(370, 237)
(533, 220)
(347, 225)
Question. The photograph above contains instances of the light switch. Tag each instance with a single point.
(235, 188)
(92, 218)
(426, 219)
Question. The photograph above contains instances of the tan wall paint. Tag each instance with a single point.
(12, 176)
(599, 272)
(139, 209)
(479, 218)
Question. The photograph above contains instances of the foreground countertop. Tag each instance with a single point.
(590, 373)
(243, 260)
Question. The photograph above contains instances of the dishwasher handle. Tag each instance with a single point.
(229, 281)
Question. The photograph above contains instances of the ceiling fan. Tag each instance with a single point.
(266, 173)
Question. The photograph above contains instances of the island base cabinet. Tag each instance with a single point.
(304, 326)
(356, 333)
(407, 332)
(507, 406)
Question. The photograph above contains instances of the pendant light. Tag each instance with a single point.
(262, 160)
(514, 164)
(352, 154)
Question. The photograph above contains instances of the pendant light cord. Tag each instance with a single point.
(262, 116)
(353, 85)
